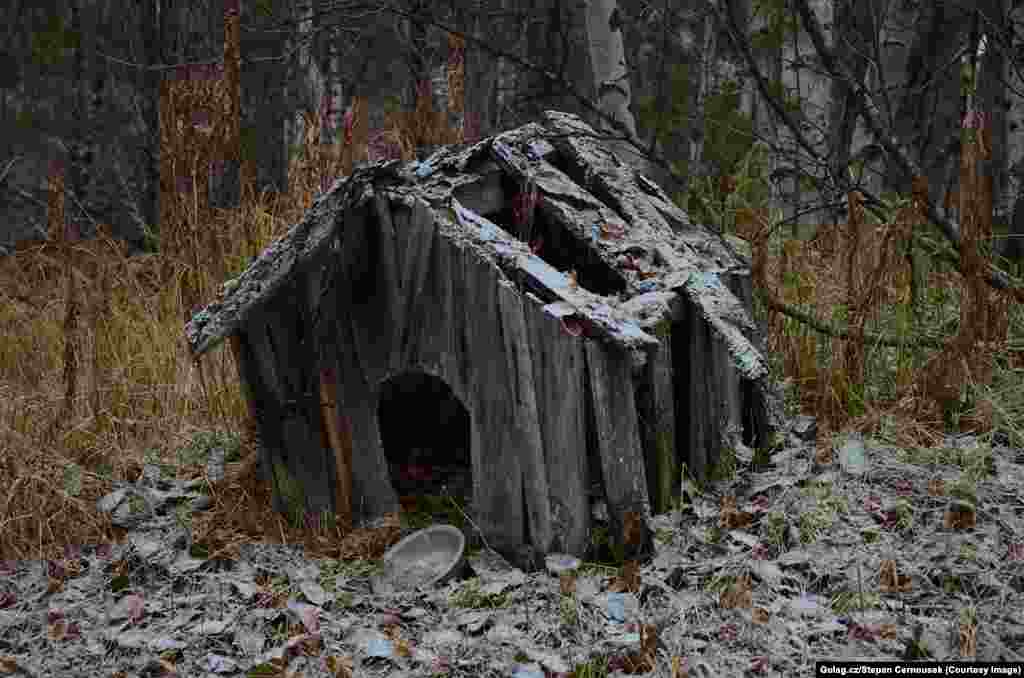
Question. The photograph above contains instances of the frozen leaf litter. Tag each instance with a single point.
(763, 573)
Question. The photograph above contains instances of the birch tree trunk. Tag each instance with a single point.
(611, 76)
(1013, 246)
(303, 81)
(330, 99)
(707, 38)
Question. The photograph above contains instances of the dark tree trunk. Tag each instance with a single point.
(262, 97)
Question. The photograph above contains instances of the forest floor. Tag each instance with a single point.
(870, 552)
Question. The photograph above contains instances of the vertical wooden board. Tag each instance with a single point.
(263, 358)
(372, 493)
(338, 437)
(353, 259)
(401, 215)
(264, 403)
(722, 398)
(618, 437)
(714, 394)
(697, 446)
(455, 260)
(760, 403)
(240, 356)
(305, 468)
(714, 405)
(437, 348)
(429, 337)
(313, 278)
(717, 405)
(680, 339)
(295, 355)
(700, 409)
(416, 274)
(526, 419)
(288, 333)
(764, 409)
(658, 427)
(389, 260)
(741, 284)
(365, 293)
(270, 397)
(496, 458)
(558, 365)
(448, 299)
(730, 398)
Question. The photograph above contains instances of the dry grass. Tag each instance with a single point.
(875, 341)
(96, 378)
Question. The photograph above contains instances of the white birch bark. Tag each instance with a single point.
(303, 79)
(611, 77)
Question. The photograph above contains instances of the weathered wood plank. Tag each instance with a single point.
(604, 174)
(691, 347)
(339, 441)
(496, 456)
(262, 404)
(565, 203)
(370, 480)
(434, 320)
(557, 285)
(636, 198)
(364, 317)
(272, 392)
(240, 356)
(371, 484)
(711, 393)
(519, 368)
(366, 292)
(418, 242)
(656, 403)
(390, 256)
(458, 298)
(722, 311)
(291, 340)
(558, 365)
(618, 436)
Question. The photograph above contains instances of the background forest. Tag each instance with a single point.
(865, 154)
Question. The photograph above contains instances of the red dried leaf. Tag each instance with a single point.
(572, 326)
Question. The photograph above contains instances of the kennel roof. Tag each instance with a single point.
(618, 254)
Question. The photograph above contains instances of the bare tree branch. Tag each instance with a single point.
(895, 151)
(638, 146)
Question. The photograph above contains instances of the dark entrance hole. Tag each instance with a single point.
(424, 429)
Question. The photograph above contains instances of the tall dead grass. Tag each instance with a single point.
(96, 378)
(864, 333)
